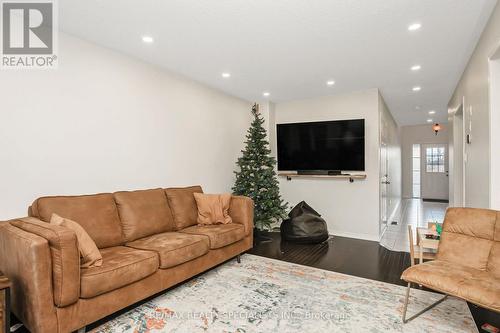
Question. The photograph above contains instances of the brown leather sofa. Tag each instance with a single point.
(467, 263)
(149, 241)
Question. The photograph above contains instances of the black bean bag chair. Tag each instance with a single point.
(304, 225)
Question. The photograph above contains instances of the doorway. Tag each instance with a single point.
(434, 172)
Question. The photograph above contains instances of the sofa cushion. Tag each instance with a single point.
(143, 213)
(173, 248)
(121, 266)
(219, 235)
(97, 214)
(477, 286)
(183, 205)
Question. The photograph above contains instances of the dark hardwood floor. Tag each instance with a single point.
(340, 254)
(356, 257)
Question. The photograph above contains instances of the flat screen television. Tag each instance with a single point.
(324, 146)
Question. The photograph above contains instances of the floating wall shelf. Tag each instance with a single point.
(351, 178)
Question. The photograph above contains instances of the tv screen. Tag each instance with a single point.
(323, 146)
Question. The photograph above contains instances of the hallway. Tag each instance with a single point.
(412, 212)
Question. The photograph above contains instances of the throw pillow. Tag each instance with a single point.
(213, 208)
(90, 255)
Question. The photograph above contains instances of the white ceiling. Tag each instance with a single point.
(292, 47)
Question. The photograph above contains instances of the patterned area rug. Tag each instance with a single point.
(266, 295)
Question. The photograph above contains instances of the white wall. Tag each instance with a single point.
(419, 134)
(268, 112)
(389, 135)
(494, 132)
(103, 122)
(473, 87)
(350, 209)
(456, 147)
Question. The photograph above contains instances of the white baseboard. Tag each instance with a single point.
(356, 235)
(383, 232)
(391, 216)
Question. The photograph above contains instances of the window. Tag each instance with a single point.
(416, 171)
(434, 159)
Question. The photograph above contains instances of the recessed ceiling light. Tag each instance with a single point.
(266, 94)
(147, 39)
(226, 75)
(414, 26)
(432, 112)
(330, 83)
(415, 67)
(417, 88)
(429, 120)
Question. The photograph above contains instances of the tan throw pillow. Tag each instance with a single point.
(90, 255)
(213, 208)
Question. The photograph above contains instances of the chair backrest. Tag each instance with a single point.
(471, 237)
(412, 244)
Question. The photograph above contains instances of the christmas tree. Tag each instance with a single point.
(257, 178)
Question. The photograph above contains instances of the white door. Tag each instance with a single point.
(434, 171)
(384, 182)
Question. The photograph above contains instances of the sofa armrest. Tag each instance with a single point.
(241, 211)
(65, 257)
(25, 260)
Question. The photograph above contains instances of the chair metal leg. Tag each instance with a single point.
(238, 259)
(405, 307)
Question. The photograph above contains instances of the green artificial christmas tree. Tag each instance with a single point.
(257, 178)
